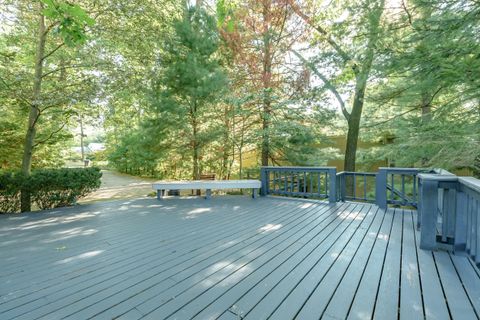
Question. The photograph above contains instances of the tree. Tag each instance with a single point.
(190, 83)
(429, 104)
(349, 47)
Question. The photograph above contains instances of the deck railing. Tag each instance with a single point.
(397, 186)
(448, 206)
(356, 186)
(299, 182)
(449, 213)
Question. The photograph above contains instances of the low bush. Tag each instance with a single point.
(48, 188)
(10, 185)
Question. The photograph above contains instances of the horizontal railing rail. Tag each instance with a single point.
(307, 182)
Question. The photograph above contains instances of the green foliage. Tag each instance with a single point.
(71, 18)
(10, 185)
(429, 100)
(49, 188)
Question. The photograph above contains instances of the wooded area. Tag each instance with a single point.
(179, 89)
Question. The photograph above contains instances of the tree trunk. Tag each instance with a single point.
(34, 109)
(361, 78)
(81, 141)
(195, 143)
(354, 125)
(266, 82)
(426, 108)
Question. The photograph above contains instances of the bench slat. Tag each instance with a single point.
(199, 184)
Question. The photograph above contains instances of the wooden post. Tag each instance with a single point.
(265, 182)
(461, 222)
(254, 193)
(332, 192)
(341, 186)
(429, 200)
(381, 188)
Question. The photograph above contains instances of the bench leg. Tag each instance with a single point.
(254, 193)
(159, 194)
(208, 194)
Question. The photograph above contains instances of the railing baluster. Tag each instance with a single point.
(304, 182)
(326, 185)
(354, 176)
(311, 184)
(392, 184)
(365, 187)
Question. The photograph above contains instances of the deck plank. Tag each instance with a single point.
(411, 303)
(457, 299)
(228, 258)
(240, 269)
(308, 270)
(359, 246)
(435, 306)
(140, 275)
(386, 306)
(471, 280)
(193, 272)
(338, 307)
(270, 274)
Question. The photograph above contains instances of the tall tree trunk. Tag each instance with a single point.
(195, 142)
(354, 126)
(226, 142)
(81, 141)
(34, 108)
(362, 73)
(266, 82)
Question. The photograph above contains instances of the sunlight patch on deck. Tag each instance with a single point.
(270, 227)
(82, 256)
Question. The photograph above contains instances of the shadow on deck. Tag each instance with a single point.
(228, 258)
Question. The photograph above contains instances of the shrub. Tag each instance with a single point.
(49, 188)
(10, 185)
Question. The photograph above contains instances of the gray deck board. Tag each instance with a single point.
(386, 306)
(411, 303)
(228, 258)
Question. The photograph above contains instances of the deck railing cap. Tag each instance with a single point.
(296, 167)
(399, 169)
(471, 182)
(437, 177)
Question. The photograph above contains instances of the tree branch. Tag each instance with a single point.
(327, 83)
(53, 51)
(50, 136)
(345, 56)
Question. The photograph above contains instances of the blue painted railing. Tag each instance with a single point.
(308, 182)
(397, 186)
(448, 206)
(449, 213)
(356, 186)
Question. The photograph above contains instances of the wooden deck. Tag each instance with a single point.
(228, 258)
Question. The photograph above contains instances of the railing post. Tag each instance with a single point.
(460, 241)
(381, 188)
(341, 186)
(332, 192)
(265, 183)
(429, 210)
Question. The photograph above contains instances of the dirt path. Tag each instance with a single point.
(120, 186)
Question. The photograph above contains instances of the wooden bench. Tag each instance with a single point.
(162, 186)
